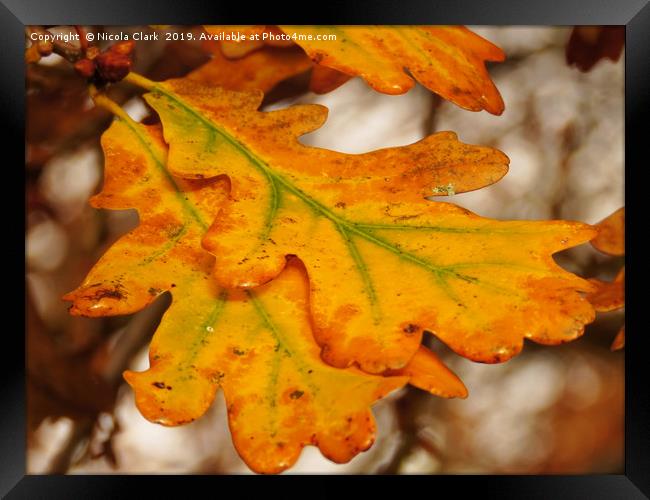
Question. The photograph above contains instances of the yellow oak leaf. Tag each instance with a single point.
(384, 263)
(256, 345)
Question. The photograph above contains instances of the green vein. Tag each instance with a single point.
(180, 195)
(274, 204)
(362, 268)
(164, 248)
(283, 343)
(446, 287)
(206, 328)
(520, 267)
(442, 229)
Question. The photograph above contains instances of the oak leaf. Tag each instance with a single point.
(256, 345)
(384, 263)
(262, 69)
(589, 44)
(427, 372)
(610, 296)
(235, 49)
(611, 234)
(619, 341)
(448, 60)
(324, 79)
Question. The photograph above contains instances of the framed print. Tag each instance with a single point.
(379, 246)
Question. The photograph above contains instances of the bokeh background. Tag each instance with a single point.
(549, 410)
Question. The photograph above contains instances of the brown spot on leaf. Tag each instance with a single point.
(114, 293)
(410, 329)
(296, 394)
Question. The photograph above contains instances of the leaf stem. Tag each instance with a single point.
(140, 81)
(101, 99)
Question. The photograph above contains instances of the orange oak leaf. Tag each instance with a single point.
(619, 341)
(235, 41)
(262, 69)
(255, 345)
(611, 234)
(448, 60)
(239, 41)
(610, 296)
(427, 372)
(384, 263)
(324, 79)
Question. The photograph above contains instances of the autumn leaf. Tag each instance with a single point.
(619, 341)
(256, 345)
(589, 44)
(262, 69)
(324, 79)
(384, 263)
(427, 372)
(238, 48)
(610, 296)
(611, 234)
(448, 60)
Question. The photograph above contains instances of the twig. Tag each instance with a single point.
(406, 408)
(83, 41)
(81, 430)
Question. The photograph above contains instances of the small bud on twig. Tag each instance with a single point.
(85, 68)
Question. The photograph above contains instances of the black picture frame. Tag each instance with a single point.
(15, 14)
